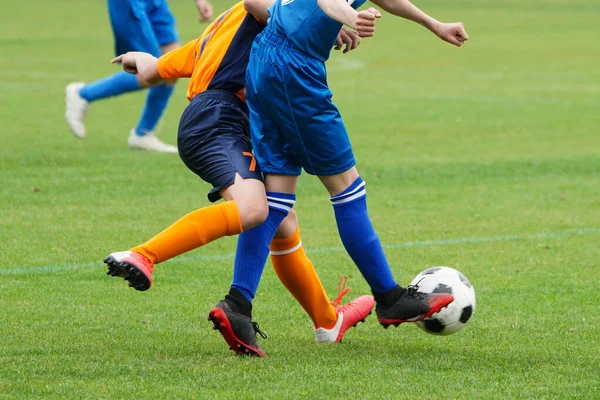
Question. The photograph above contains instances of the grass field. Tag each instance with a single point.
(485, 159)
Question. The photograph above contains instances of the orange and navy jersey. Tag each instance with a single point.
(217, 59)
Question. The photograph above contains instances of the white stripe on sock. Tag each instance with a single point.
(284, 252)
(341, 196)
(353, 197)
(279, 206)
(292, 202)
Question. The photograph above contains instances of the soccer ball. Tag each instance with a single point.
(454, 317)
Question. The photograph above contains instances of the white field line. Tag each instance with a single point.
(324, 250)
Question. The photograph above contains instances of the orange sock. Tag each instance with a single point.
(192, 231)
(298, 275)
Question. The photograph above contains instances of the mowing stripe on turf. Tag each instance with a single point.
(336, 249)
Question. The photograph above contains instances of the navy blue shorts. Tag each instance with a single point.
(214, 140)
(141, 25)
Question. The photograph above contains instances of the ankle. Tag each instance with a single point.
(387, 299)
(239, 303)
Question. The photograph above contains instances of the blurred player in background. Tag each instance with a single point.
(294, 125)
(214, 143)
(137, 25)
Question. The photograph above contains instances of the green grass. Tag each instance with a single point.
(486, 159)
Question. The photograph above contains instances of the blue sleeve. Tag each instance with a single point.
(357, 3)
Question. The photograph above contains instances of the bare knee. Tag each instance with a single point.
(288, 226)
(251, 199)
(336, 184)
(253, 212)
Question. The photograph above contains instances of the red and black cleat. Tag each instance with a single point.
(133, 267)
(412, 306)
(238, 330)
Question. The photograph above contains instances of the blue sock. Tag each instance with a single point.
(253, 245)
(114, 85)
(359, 237)
(156, 102)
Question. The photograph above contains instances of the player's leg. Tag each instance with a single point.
(294, 269)
(162, 24)
(318, 139)
(291, 264)
(219, 155)
(394, 303)
(132, 31)
(251, 254)
(349, 199)
(253, 245)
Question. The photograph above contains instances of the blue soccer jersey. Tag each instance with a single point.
(304, 24)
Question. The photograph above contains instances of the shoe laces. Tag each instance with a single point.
(412, 291)
(257, 330)
(342, 291)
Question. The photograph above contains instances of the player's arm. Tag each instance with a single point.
(259, 8)
(144, 65)
(341, 11)
(450, 32)
(178, 63)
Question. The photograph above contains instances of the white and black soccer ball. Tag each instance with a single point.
(454, 317)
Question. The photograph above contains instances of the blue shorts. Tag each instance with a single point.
(141, 25)
(214, 142)
(293, 123)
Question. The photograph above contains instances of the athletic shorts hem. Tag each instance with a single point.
(332, 171)
(219, 184)
(222, 182)
(280, 171)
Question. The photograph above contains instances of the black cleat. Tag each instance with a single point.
(237, 329)
(412, 306)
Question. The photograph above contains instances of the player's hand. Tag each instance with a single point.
(365, 22)
(129, 61)
(453, 33)
(349, 38)
(205, 10)
(143, 65)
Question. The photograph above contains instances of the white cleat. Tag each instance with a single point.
(323, 335)
(149, 142)
(349, 315)
(76, 108)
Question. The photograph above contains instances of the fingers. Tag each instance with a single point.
(345, 37)
(375, 12)
(454, 33)
(127, 61)
(365, 31)
(354, 41)
(460, 33)
(365, 22)
(339, 41)
(347, 42)
(454, 40)
(117, 59)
